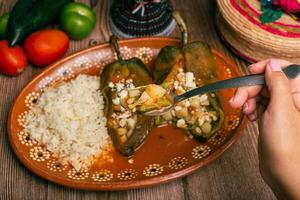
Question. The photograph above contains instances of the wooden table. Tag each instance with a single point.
(233, 176)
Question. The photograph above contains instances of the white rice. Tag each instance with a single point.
(69, 121)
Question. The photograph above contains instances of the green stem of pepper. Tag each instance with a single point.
(182, 27)
(114, 42)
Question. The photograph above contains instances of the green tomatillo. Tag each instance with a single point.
(77, 20)
(3, 25)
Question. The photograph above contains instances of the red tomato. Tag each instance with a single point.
(46, 46)
(12, 59)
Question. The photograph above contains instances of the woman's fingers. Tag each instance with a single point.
(250, 106)
(260, 67)
(295, 87)
(255, 107)
(249, 109)
(243, 94)
(279, 87)
(252, 116)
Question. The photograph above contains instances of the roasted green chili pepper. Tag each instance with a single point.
(193, 57)
(126, 138)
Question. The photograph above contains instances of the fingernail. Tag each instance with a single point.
(245, 107)
(252, 117)
(275, 66)
(231, 100)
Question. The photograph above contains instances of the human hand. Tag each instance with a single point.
(277, 108)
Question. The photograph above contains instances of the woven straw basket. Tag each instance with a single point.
(239, 26)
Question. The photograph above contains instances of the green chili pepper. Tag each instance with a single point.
(135, 70)
(195, 57)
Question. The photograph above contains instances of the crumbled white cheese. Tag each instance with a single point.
(181, 123)
(200, 121)
(116, 101)
(122, 122)
(124, 115)
(122, 109)
(111, 85)
(176, 85)
(119, 86)
(205, 103)
(207, 118)
(195, 102)
(130, 161)
(181, 77)
(198, 130)
(130, 86)
(177, 108)
(123, 94)
(204, 100)
(193, 85)
(114, 115)
(203, 97)
(214, 117)
(189, 79)
(187, 103)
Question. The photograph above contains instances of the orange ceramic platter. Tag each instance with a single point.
(167, 153)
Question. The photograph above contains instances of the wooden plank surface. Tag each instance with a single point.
(233, 176)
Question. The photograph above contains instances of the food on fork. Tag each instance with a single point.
(146, 98)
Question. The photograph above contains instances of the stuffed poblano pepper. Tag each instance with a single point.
(180, 69)
(127, 129)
